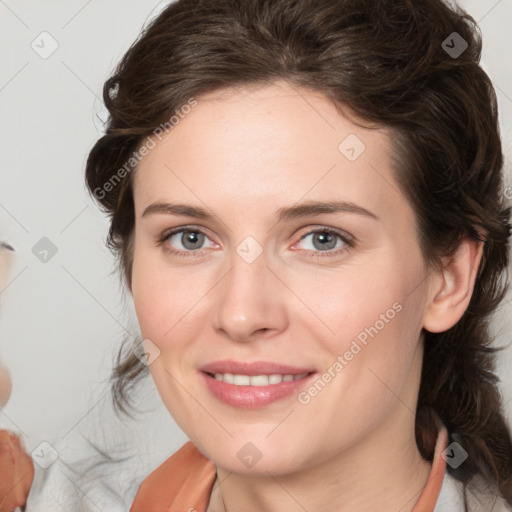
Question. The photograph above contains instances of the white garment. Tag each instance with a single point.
(75, 482)
(451, 498)
(115, 488)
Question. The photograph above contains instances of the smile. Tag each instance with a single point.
(253, 385)
(257, 380)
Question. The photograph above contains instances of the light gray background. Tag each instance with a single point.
(62, 320)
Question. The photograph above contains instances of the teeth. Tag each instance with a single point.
(257, 380)
(242, 380)
(275, 379)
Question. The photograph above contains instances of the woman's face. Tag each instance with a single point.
(259, 288)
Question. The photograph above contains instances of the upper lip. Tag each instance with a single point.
(254, 368)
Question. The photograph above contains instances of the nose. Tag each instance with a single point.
(250, 301)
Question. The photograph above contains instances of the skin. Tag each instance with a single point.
(243, 155)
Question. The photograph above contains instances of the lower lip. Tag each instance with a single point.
(252, 397)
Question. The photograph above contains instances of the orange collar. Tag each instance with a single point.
(428, 498)
(182, 483)
(185, 480)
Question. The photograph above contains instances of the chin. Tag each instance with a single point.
(255, 455)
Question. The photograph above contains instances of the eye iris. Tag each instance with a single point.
(321, 240)
(324, 237)
(193, 237)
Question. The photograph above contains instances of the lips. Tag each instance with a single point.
(253, 385)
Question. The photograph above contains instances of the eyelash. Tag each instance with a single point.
(310, 254)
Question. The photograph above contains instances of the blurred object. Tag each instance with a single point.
(5, 385)
(16, 466)
(16, 472)
(5, 378)
(5, 259)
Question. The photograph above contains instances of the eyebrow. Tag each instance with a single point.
(304, 209)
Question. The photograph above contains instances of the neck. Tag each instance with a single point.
(386, 474)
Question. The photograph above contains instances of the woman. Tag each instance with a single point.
(323, 341)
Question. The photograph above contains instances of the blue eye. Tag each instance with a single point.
(324, 239)
(325, 242)
(188, 238)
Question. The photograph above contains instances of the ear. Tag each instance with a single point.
(451, 288)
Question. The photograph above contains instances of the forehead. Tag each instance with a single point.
(257, 145)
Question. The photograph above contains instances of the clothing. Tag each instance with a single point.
(113, 486)
(84, 479)
(184, 482)
(105, 458)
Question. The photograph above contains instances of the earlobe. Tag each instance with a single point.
(453, 286)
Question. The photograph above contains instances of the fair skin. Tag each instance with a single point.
(243, 156)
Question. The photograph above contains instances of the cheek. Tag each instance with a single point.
(166, 299)
(371, 316)
(163, 301)
(152, 294)
(360, 298)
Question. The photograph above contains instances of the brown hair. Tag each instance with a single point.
(389, 62)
